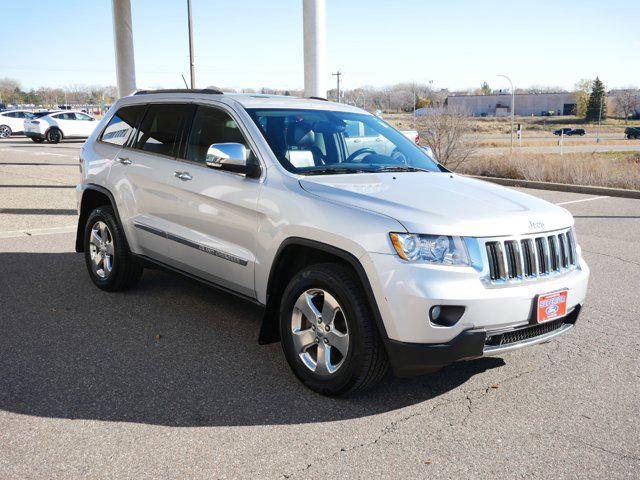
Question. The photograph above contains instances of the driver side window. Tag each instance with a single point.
(211, 125)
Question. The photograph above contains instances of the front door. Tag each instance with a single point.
(85, 124)
(212, 233)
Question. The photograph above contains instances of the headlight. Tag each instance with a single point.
(438, 249)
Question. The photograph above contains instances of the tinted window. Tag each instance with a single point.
(211, 125)
(159, 130)
(65, 116)
(121, 124)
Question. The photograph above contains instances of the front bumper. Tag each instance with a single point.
(406, 292)
(409, 359)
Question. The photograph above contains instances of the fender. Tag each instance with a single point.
(83, 214)
(269, 332)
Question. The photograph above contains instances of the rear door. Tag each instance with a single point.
(142, 176)
(212, 228)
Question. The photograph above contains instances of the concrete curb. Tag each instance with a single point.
(563, 187)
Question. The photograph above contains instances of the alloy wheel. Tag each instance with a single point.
(101, 249)
(319, 331)
(5, 131)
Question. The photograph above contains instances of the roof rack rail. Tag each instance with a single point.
(180, 90)
(318, 98)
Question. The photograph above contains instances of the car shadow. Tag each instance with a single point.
(170, 352)
(20, 142)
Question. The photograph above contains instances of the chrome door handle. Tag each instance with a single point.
(182, 175)
(123, 160)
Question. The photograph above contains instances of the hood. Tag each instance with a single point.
(442, 203)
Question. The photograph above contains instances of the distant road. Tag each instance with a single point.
(593, 147)
(548, 136)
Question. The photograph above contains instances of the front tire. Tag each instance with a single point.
(328, 333)
(5, 131)
(109, 262)
(54, 136)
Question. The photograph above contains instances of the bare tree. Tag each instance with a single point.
(446, 131)
(627, 102)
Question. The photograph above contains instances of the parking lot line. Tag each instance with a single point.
(28, 232)
(582, 200)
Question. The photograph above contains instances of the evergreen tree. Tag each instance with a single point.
(485, 89)
(596, 101)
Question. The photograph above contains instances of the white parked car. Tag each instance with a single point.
(55, 126)
(363, 256)
(12, 122)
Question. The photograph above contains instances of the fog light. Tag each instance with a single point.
(445, 315)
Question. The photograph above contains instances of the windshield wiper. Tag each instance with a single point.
(338, 170)
(401, 168)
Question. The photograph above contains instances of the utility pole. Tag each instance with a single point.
(599, 119)
(191, 60)
(513, 103)
(338, 74)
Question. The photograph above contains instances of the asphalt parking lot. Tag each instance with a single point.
(167, 380)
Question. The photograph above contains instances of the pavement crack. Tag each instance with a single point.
(625, 260)
(386, 430)
(626, 456)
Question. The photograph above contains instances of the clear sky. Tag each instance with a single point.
(254, 43)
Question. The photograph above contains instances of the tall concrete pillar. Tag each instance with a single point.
(123, 42)
(315, 40)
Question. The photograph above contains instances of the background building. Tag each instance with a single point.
(526, 104)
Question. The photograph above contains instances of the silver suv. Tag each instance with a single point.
(363, 250)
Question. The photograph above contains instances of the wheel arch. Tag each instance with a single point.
(93, 196)
(54, 127)
(294, 254)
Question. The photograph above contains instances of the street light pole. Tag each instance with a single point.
(599, 119)
(192, 64)
(513, 102)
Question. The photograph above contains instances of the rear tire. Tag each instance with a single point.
(54, 135)
(5, 131)
(109, 262)
(335, 349)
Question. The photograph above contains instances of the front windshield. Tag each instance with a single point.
(311, 142)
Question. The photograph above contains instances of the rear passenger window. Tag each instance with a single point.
(121, 124)
(210, 126)
(160, 128)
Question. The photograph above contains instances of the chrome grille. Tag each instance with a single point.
(532, 257)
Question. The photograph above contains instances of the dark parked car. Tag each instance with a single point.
(632, 132)
(570, 131)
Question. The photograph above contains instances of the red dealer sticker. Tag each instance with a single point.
(552, 306)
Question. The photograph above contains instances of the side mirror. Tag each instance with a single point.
(231, 157)
(91, 119)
